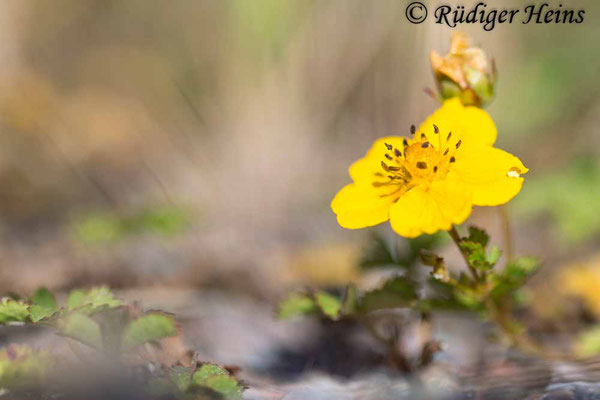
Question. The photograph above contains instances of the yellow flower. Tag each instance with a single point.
(430, 181)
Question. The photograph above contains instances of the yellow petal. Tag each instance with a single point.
(471, 124)
(493, 175)
(428, 211)
(363, 171)
(360, 206)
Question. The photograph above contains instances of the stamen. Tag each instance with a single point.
(435, 168)
(378, 174)
(458, 143)
(422, 165)
(389, 146)
(384, 166)
(449, 136)
(397, 152)
(425, 145)
(423, 136)
(446, 152)
(389, 157)
(435, 129)
(413, 129)
(393, 169)
(405, 142)
(452, 159)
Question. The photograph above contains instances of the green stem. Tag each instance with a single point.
(456, 238)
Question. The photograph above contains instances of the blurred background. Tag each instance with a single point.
(198, 144)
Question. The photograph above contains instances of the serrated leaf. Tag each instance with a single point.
(92, 300)
(148, 328)
(13, 311)
(329, 305)
(478, 235)
(181, 377)
(295, 305)
(396, 292)
(217, 379)
(38, 313)
(82, 328)
(44, 305)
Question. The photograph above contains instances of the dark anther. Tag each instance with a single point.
(422, 165)
(393, 169)
(452, 159)
(435, 169)
(449, 136)
(458, 144)
(405, 142)
(397, 152)
(389, 146)
(413, 129)
(379, 174)
(446, 152)
(392, 177)
(388, 157)
(435, 129)
(384, 166)
(425, 145)
(423, 136)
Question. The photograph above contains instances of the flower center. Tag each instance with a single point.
(419, 162)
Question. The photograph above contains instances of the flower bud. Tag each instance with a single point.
(465, 72)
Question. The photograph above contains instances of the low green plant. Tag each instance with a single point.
(112, 330)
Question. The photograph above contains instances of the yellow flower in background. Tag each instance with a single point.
(430, 181)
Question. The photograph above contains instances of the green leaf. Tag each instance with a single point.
(93, 300)
(44, 305)
(295, 305)
(82, 328)
(478, 235)
(329, 305)
(43, 298)
(396, 292)
(514, 276)
(147, 328)
(13, 311)
(493, 255)
(181, 377)
(217, 379)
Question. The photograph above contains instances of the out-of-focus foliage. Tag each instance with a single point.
(568, 196)
(13, 310)
(22, 367)
(208, 380)
(98, 228)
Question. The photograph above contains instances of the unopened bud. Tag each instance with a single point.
(465, 72)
